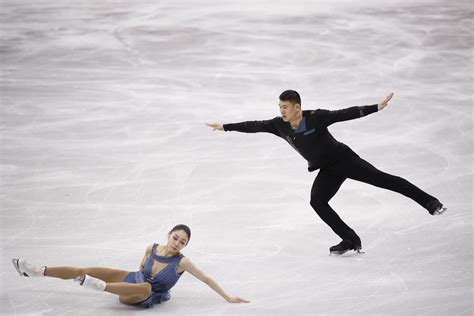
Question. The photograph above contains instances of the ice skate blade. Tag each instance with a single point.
(340, 253)
(440, 211)
(17, 267)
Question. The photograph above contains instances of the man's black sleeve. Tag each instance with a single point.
(267, 126)
(354, 112)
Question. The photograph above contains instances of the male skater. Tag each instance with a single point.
(307, 132)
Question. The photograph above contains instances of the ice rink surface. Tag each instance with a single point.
(104, 149)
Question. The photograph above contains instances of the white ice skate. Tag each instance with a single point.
(26, 269)
(90, 282)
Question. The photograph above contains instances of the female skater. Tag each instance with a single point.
(160, 269)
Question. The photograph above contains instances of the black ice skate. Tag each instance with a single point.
(435, 207)
(343, 247)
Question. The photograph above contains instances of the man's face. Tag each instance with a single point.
(288, 110)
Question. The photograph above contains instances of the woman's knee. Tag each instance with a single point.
(131, 300)
(146, 289)
(142, 293)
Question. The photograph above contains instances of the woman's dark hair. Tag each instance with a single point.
(290, 95)
(186, 229)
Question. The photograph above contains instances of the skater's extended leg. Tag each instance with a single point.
(105, 274)
(129, 293)
(360, 170)
(324, 188)
(101, 279)
(27, 269)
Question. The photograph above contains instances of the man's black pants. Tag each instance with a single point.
(330, 179)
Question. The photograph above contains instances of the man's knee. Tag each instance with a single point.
(317, 203)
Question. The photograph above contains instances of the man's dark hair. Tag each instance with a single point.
(290, 95)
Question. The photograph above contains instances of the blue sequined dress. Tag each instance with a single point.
(161, 282)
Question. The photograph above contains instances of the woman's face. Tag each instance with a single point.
(177, 240)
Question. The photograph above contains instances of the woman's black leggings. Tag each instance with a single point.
(330, 179)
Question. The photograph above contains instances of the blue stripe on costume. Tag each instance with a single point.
(302, 127)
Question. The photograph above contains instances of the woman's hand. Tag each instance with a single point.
(236, 299)
(188, 266)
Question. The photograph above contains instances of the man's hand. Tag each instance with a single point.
(216, 126)
(384, 103)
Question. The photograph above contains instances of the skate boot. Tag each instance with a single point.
(355, 241)
(26, 269)
(435, 207)
(91, 283)
(343, 247)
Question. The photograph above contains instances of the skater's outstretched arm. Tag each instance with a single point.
(327, 117)
(266, 126)
(188, 266)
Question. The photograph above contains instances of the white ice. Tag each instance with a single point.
(104, 149)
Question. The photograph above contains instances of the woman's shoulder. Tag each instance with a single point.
(184, 260)
(149, 249)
